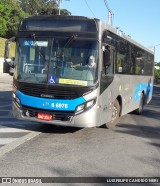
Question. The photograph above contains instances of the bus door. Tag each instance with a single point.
(107, 66)
(107, 77)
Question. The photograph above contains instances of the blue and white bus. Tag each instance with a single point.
(55, 81)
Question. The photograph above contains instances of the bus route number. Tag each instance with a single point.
(60, 105)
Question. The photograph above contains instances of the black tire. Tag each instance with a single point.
(115, 116)
(139, 111)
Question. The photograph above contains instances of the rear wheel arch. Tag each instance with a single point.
(144, 97)
(140, 108)
(119, 98)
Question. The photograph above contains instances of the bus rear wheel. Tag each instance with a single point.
(115, 116)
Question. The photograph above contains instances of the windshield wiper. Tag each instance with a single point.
(69, 41)
(41, 54)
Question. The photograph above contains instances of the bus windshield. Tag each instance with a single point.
(57, 61)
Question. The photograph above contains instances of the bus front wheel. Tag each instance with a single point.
(115, 115)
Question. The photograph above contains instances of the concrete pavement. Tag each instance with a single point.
(6, 80)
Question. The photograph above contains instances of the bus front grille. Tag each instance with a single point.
(61, 116)
(47, 91)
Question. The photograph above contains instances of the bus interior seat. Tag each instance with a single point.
(44, 71)
(28, 68)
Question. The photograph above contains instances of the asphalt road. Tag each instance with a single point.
(130, 149)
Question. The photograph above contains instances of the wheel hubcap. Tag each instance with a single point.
(114, 113)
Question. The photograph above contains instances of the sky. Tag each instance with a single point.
(138, 18)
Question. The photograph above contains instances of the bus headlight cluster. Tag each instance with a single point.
(85, 106)
(15, 98)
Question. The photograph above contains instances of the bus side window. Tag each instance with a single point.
(108, 59)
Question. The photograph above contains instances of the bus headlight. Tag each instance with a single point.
(80, 108)
(16, 99)
(90, 103)
(14, 96)
(85, 106)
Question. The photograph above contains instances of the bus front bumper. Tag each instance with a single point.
(85, 119)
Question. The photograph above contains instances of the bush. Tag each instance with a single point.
(157, 75)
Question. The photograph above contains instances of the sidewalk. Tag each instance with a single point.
(6, 80)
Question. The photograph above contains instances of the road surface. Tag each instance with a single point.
(31, 149)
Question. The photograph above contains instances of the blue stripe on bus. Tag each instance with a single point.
(50, 104)
(146, 87)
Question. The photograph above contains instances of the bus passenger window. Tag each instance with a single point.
(108, 58)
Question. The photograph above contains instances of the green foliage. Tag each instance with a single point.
(12, 11)
(10, 16)
(3, 27)
(16, 16)
(156, 74)
(41, 7)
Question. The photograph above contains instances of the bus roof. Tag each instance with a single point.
(87, 24)
(126, 37)
(59, 23)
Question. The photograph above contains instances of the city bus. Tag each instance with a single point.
(77, 71)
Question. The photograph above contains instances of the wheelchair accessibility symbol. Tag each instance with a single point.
(52, 79)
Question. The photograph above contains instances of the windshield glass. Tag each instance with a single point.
(57, 61)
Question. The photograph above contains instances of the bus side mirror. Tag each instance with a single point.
(12, 62)
(7, 49)
(8, 62)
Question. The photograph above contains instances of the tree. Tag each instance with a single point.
(12, 11)
(55, 11)
(3, 27)
(41, 7)
(157, 75)
(10, 16)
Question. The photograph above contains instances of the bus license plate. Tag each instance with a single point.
(47, 117)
